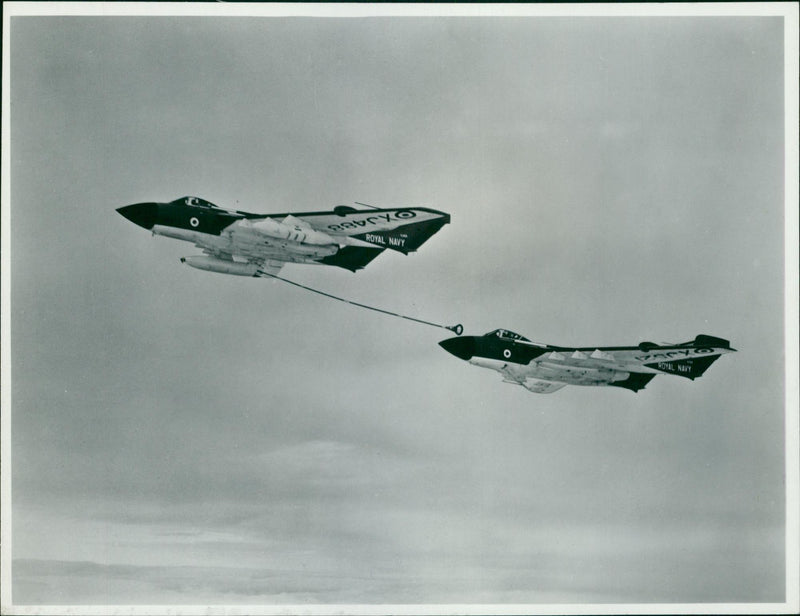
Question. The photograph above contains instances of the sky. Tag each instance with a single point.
(183, 437)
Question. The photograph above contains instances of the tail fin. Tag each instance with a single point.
(704, 340)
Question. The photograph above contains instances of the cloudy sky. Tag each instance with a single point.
(187, 437)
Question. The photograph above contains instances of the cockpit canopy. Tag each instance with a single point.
(196, 201)
(507, 335)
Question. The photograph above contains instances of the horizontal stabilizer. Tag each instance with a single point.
(704, 340)
(352, 258)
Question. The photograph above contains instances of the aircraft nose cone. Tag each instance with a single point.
(463, 348)
(142, 214)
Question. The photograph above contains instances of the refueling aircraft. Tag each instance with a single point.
(258, 245)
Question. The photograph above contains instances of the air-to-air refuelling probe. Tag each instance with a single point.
(258, 245)
(544, 368)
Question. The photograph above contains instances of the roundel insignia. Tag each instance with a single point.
(507, 353)
(193, 221)
(405, 214)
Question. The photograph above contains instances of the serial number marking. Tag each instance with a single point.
(671, 354)
(372, 220)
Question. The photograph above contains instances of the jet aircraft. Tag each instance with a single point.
(544, 368)
(245, 244)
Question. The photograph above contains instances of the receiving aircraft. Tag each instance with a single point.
(544, 368)
(258, 245)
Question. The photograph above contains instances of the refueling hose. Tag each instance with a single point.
(457, 329)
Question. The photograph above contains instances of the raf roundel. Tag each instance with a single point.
(507, 353)
(193, 221)
(405, 214)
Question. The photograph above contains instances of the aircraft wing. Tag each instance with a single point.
(400, 229)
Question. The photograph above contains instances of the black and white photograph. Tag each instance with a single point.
(399, 308)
